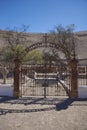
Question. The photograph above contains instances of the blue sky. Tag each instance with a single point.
(43, 15)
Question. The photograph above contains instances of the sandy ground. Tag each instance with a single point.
(30, 113)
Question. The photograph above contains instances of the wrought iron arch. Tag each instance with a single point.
(49, 45)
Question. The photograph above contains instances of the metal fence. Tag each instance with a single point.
(52, 82)
(82, 72)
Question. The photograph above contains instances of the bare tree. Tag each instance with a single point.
(16, 39)
(14, 48)
(65, 40)
(50, 57)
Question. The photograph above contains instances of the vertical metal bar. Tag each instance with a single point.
(86, 74)
(21, 84)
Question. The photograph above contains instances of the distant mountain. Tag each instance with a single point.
(81, 49)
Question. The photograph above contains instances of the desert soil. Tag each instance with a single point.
(32, 113)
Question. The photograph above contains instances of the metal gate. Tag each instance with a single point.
(82, 74)
(48, 81)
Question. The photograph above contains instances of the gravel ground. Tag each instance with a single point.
(30, 113)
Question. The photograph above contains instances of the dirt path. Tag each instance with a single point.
(43, 114)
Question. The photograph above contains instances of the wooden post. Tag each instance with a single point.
(74, 79)
(17, 77)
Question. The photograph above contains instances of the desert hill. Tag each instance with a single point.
(81, 49)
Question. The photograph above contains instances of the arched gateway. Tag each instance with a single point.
(40, 80)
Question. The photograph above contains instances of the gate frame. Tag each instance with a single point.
(73, 78)
(72, 64)
(17, 77)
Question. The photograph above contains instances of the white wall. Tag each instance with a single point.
(6, 90)
(82, 91)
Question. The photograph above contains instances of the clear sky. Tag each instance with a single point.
(43, 15)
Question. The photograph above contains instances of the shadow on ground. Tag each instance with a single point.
(64, 104)
(56, 104)
(31, 100)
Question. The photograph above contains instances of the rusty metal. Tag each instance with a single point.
(45, 86)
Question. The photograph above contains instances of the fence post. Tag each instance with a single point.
(17, 77)
(74, 79)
